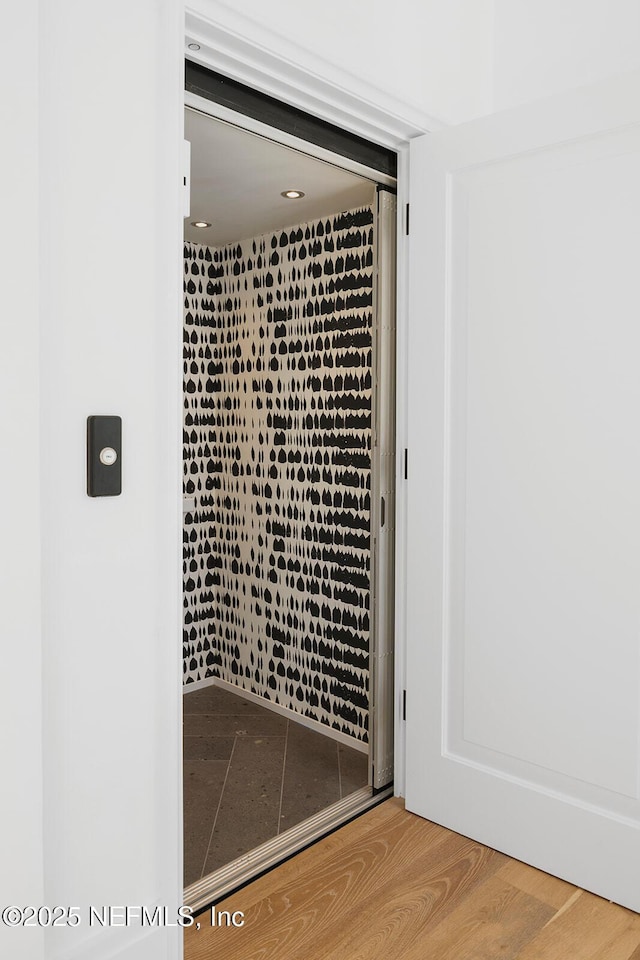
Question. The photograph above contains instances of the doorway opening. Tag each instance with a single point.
(289, 338)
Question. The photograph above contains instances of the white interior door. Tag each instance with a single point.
(524, 485)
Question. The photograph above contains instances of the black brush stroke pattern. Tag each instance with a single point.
(277, 453)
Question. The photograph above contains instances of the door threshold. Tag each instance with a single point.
(212, 888)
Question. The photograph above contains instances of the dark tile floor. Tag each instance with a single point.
(249, 774)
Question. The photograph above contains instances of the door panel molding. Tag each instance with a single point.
(523, 665)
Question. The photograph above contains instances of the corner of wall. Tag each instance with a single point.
(277, 549)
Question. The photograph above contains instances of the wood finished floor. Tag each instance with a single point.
(391, 886)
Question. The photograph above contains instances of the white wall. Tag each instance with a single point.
(435, 55)
(451, 59)
(20, 679)
(110, 131)
(549, 46)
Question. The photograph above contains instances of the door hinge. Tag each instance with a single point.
(186, 178)
(407, 220)
(404, 704)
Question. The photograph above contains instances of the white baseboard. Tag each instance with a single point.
(198, 685)
(343, 738)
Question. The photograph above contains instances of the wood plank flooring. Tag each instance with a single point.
(391, 886)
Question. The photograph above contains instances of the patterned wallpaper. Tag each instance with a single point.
(277, 445)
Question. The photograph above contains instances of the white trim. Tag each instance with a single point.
(225, 115)
(337, 735)
(197, 685)
(402, 365)
(245, 51)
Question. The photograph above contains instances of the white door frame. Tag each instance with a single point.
(229, 44)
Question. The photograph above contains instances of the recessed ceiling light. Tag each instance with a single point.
(193, 46)
(200, 223)
(292, 194)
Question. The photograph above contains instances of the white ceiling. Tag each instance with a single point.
(237, 178)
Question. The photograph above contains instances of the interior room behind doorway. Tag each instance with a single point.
(278, 318)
